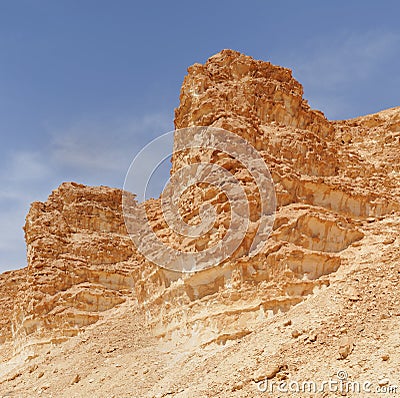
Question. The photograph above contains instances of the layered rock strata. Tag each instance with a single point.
(82, 263)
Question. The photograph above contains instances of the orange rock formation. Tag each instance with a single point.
(334, 181)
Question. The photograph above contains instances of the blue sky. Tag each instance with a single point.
(84, 85)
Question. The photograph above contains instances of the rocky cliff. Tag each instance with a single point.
(334, 182)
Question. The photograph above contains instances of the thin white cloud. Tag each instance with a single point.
(98, 147)
(22, 177)
(328, 67)
(24, 166)
(12, 245)
(22, 174)
(346, 58)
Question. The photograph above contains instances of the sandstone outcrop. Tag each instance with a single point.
(333, 180)
(82, 263)
(11, 283)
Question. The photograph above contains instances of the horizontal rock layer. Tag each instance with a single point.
(82, 263)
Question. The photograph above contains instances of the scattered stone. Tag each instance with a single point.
(383, 382)
(33, 368)
(268, 373)
(346, 347)
(359, 329)
(40, 375)
(238, 386)
(352, 293)
(76, 379)
(287, 323)
(313, 337)
(272, 371)
(282, 376)
(385, 357)
(295, 333)
(389, 241)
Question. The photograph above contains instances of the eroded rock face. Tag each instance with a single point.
(82, 262)
(78, 254)
(11, 283)
(233, 85)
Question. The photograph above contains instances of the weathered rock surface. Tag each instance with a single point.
(11, 283)
(337, 188)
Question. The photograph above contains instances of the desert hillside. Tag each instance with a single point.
(91, 316)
